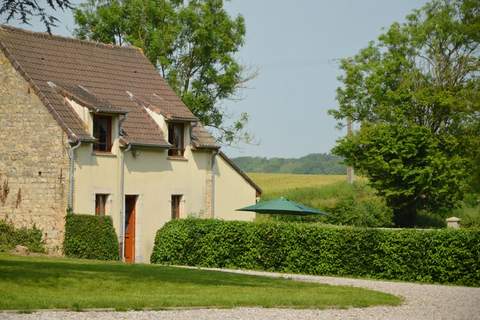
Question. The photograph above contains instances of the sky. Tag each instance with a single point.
(295, 46)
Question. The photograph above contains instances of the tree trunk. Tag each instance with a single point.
(405, 217)
(350, 172)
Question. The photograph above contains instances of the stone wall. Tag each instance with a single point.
(33, 160)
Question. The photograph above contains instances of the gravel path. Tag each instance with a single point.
(422, 301)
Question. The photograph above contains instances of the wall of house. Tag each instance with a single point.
(232, 192)
(33, 160)
(150, 175)
(82, 112)
(154, 177)
(97, 173)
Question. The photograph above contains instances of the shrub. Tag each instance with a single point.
(470, 217)
(444, 256)
(425, 219)
(90, 237)
(469, 212)
(28, 237)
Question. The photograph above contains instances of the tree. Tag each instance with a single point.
(416, 94)
(24, 10)
(192, 44)
(410, 166)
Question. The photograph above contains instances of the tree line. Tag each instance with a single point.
(315, 163)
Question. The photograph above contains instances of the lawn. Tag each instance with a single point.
(277, 183)
(45, 283)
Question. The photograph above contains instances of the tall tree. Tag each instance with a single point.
(416, 93)
(24, 10)
(192, 43)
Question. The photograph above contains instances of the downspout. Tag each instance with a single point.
(122, 192)
(71, 175)
(122, 198)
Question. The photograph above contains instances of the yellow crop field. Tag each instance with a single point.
(283, 182)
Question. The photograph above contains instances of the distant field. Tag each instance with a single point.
(274, 183)
(331, 193)
(346, 204)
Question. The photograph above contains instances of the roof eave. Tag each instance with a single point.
(150, 145)
(200, 146)
(108, 111)
(179, 119)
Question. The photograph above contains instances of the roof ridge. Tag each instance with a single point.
(45, 35)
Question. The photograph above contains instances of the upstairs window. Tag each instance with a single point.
(176, 139)
(102, 131)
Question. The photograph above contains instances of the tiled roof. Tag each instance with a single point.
(201, 138)
(166, 108)
(98, 74)
(85, 97)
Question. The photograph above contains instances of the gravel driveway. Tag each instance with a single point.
(422, 301)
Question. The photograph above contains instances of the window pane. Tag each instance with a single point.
(179, 136)
(102, 126)
(176, 139)
(171, 136)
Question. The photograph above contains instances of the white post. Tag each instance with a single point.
(453, 222)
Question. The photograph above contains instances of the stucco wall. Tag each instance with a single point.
(95, 173)
(154, 177)
(33, 160)
(151, 176)
(231, 192)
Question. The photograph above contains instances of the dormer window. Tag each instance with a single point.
(176, 138)
(102, 131)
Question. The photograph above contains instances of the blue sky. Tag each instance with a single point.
(295, 45)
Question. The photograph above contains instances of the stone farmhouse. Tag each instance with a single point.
(94, 128)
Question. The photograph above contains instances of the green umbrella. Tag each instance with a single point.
(281, 206)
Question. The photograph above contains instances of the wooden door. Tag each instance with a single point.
(130, 202)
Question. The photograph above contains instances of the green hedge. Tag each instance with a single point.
(90, 237)
(10, 237)
(443, 256)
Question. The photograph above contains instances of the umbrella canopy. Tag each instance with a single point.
(281, 206)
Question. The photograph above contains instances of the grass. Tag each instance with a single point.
(469, 215)
(318, 191)
(277, 183)
(347, 204)
(28, 283)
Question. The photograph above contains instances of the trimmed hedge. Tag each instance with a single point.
(30, 238)
(442, 256)
(90, 237)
